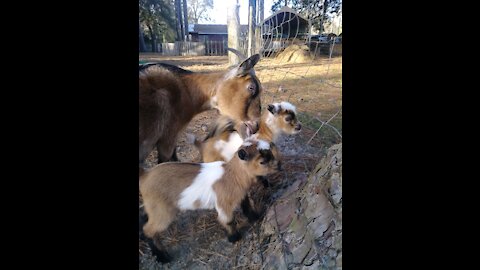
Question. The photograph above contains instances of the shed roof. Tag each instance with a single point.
(284, 9)
(214, 29)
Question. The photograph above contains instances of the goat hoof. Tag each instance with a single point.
(253, 216)
(265, 183)
(162, 256)
(234, 237)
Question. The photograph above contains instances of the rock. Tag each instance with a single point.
(303, 228)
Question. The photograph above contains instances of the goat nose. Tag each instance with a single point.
(298, 127)
(253, 126)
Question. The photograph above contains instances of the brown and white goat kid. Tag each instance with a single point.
(169, 97)
(227, 136)
(217, 185)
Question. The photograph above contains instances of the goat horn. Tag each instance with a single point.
(239, 54)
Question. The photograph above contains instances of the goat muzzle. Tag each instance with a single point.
(252, 127)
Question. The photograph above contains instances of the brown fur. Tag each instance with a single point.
(169, 97)
(160, 194)
(238, 178)
(222, 129)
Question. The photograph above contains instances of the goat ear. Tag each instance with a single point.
(242, 154)
(271, 108)
(245, 67)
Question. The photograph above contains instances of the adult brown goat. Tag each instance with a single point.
(169, 97)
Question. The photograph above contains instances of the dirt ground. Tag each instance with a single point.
(196, 240)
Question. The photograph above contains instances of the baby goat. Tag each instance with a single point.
(226, 136)
(217, 185)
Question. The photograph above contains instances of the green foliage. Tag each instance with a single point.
(157, 19)
(313, 9)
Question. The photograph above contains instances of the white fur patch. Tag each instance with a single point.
(228, 148)
(263, 145)
(221, 214)
(277, 107)
(247, 143)
(201, 188)
(286, 106)
(250, 140)
(214, 102)
(272, 125)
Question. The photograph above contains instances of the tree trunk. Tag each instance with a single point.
(260, 8)
(303, 228)
(179, 20)
(251, 27)
(324, 9)
(233, 21)
(153, 39)
(185, 19)
(141, 40)
(258, 28)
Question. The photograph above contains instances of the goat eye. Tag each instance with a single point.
(288, 118)
(252, 89)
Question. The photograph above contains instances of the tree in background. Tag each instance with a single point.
(185, 20)
(157, 22)
(233, 24)
(198, 9)
(318, 11)
(179, 19)
(141, 39)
